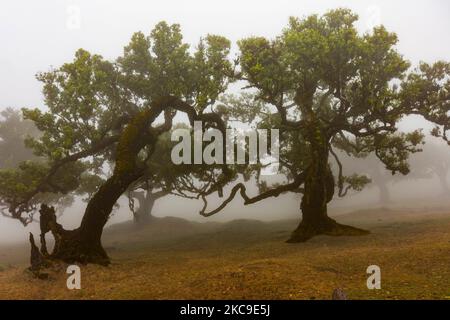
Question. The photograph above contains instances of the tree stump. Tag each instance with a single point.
(37, 260)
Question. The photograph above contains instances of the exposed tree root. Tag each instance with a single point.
(37, 261)
(72, 250)
(330, 227)
(69, 244)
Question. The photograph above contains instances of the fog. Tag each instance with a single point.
(39, 34)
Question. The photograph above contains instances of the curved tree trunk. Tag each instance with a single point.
(318, 192)
(84, 244)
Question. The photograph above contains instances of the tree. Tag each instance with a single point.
(100, 110)
(146, 198)
(434, 161)
(327, 87)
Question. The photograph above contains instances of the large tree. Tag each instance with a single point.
(328, 87)
(98, 110)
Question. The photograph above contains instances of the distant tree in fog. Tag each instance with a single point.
(13, 131)
(15, 154)
(434, 161)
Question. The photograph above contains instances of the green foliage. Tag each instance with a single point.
(16, 183)
(426, 92)
(357, 182)
(350, 90)
(90, 102)
(89, 184)
(161, 65)
(82, 100)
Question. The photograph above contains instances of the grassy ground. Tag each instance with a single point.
(176, 259)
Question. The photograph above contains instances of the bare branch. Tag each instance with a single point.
(275, 192)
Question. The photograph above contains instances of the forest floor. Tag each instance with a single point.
(246, 259)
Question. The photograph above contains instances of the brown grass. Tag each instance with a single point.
(176, 259)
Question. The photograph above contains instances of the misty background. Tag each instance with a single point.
(37, 35)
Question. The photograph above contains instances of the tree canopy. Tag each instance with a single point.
(328, 87)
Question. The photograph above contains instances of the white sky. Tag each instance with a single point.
(38, 34)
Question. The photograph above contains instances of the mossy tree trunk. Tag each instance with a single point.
(318, 192)
(84, 244)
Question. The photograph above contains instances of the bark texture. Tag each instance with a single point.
(318, 192)
(84, 244)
